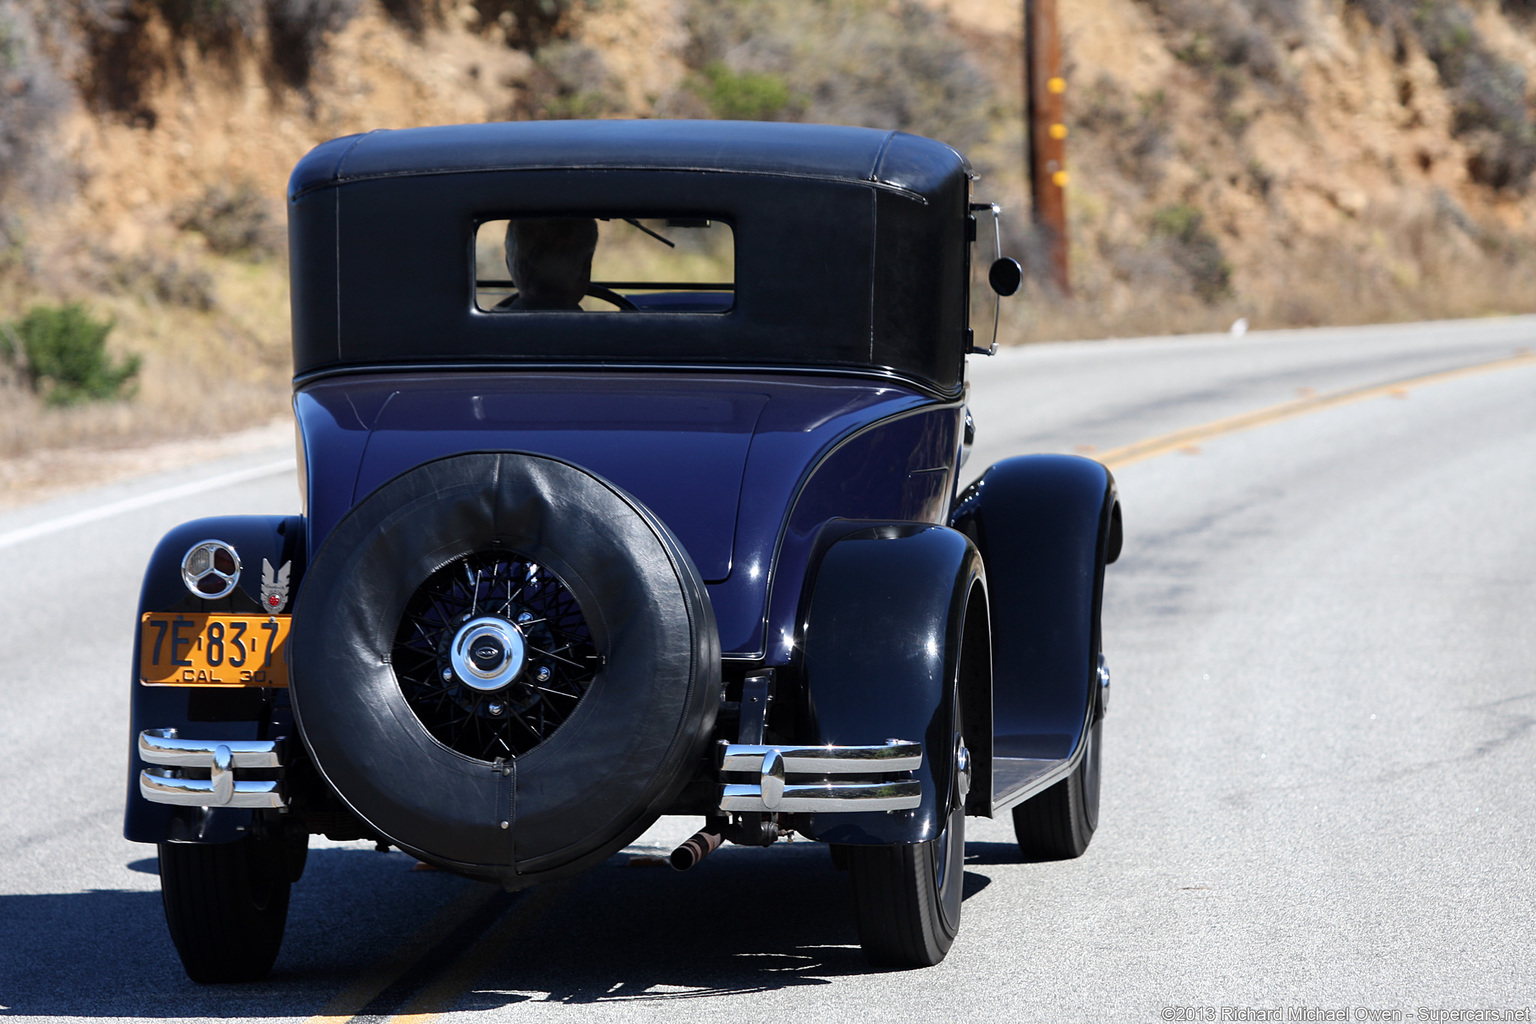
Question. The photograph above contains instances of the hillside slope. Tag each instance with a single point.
(1293, 162)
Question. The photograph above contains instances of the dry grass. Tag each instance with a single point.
(1330, 180)
(204, 372)
(49, 472)
(1413, 266)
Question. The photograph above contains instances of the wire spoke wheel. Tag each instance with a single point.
(493, 654)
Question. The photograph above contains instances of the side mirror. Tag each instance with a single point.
(1005, 276)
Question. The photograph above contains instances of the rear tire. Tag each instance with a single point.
(907, 898)
(226, 905)
(1059, 823)
(908, 903)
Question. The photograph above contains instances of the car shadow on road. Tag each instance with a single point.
(744, 921)
(107, 953)
(981, 854)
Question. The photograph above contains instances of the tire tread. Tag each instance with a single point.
(898, 925)
(222, 931)
(1056, 825)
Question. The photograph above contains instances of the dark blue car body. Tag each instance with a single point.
(852, 648)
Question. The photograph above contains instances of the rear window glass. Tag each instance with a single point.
(605, 265)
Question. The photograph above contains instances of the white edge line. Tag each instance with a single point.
(91, 515)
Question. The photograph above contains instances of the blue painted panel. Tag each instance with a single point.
(898, 470)
(334, 434)
(803, 424)
(679, 450)
(1042, 524)
(720, 458)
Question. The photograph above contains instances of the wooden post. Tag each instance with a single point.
(1046, 134)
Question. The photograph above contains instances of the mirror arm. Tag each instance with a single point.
(973, 349)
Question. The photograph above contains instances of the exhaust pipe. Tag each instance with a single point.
(699, 846)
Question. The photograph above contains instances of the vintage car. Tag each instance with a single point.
(685, 538)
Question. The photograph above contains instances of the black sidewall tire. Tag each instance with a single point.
(226, 906)
(1059, 823)
(610, 769)
(907, 915)
(1090, 782)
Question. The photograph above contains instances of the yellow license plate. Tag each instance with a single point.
(186, 649)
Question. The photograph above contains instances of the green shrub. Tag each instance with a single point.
(1230, 35)
(166, 278)
(571, 80)
(63, 351)
(216, 25)
(296, 34)
(529, 24)
(886, 64)
(742, 95)
(236, 222)
(1487, 92)
(1195, 250)
(1136, 129)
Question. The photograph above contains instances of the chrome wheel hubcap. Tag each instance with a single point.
(487, 653)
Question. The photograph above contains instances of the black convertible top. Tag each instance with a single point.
(850, 244)
(832, 152)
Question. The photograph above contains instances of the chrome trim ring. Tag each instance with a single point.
(210, 569)
(487, 653)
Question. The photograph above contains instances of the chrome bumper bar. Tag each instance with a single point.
(794, 779)
(220, 759)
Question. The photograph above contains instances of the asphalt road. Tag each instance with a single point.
(1317, 773)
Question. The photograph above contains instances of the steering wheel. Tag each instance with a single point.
(597, 291)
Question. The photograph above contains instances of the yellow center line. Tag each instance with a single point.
(1152, 447)
(350, 1001)
(449, 987)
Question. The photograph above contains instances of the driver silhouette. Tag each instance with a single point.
(550, 261)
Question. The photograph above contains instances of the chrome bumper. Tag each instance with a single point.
(802, 780)
(220, 759)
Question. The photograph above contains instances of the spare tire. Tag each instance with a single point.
(504, 665)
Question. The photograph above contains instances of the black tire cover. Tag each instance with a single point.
(605, 775)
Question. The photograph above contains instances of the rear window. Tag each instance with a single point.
(605, 265)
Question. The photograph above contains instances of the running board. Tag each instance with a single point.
(1016, 779)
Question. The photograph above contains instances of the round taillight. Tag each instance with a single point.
(210, 569)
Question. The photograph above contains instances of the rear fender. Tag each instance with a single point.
(1046, 525)
(225, 713)
(883, 627)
